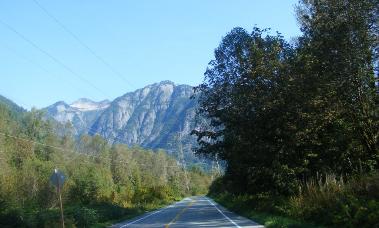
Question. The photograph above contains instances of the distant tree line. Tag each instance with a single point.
(282, 113)
(103, 182)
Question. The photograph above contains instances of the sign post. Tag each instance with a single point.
(57, 179)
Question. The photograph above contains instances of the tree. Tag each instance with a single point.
(336, 73)
(242, 97)
(279, 114)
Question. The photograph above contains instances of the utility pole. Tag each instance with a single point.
(181, 158)
(60, 202)
(57, 179)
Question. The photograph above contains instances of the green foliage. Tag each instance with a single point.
(242, 95)
(12, 218)
(281, 114)
(90, 184)
(85, 217)
(248, 206)
(284, 116)
(48, 218)
(335, 203)
(327, 201)
(200, 181)
(337, 52)
(103, 182)
(16, 110)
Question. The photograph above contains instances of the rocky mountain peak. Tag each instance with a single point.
(85, 104)
(151, 117)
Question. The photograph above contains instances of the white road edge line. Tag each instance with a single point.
(224, 214)
(142, 218)
(153, 213)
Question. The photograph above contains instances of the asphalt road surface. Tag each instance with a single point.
(198, 211)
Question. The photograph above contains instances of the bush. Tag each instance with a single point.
(85, 217)
(335, 203)
(106, 211)
(12, 218)
(327, 201)
(48, 218)
(251, 207)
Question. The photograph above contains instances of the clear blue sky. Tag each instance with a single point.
(145, 41)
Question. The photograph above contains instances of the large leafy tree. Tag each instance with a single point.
(336, 74)
(242, 97)
(280, 114)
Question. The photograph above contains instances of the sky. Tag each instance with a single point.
(54, 50)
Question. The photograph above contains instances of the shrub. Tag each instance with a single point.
(85, 217)
(335, 203)
(12, 218)
(48, 218)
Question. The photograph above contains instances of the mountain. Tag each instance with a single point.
(81, 113)
(13, 107)
(151, 117)
(84, 105)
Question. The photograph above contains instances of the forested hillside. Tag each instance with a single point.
(151, 117)
(13, 107)
(298, 123)
(103, 182)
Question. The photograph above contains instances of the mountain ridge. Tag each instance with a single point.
(11, 105)
(151, 117)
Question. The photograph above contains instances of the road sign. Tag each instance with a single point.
(57, 179)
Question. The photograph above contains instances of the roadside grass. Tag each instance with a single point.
(95, 215)
(92, 215)
(276, 221)
(328, 202)
(120, 214)
(243, 205)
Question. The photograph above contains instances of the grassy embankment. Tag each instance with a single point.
(328, 203)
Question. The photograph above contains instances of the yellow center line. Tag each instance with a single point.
(179, 214)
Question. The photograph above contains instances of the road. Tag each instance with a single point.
(198, 211)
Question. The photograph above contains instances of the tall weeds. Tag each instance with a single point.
(332, 201)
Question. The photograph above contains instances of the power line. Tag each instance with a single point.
(89, 130)
(90, 50)
(27, 59)
(74, 152)
(56, 60)
(109, 139)
(32, 141)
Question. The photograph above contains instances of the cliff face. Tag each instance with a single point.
(82, 113)
(151, 117)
